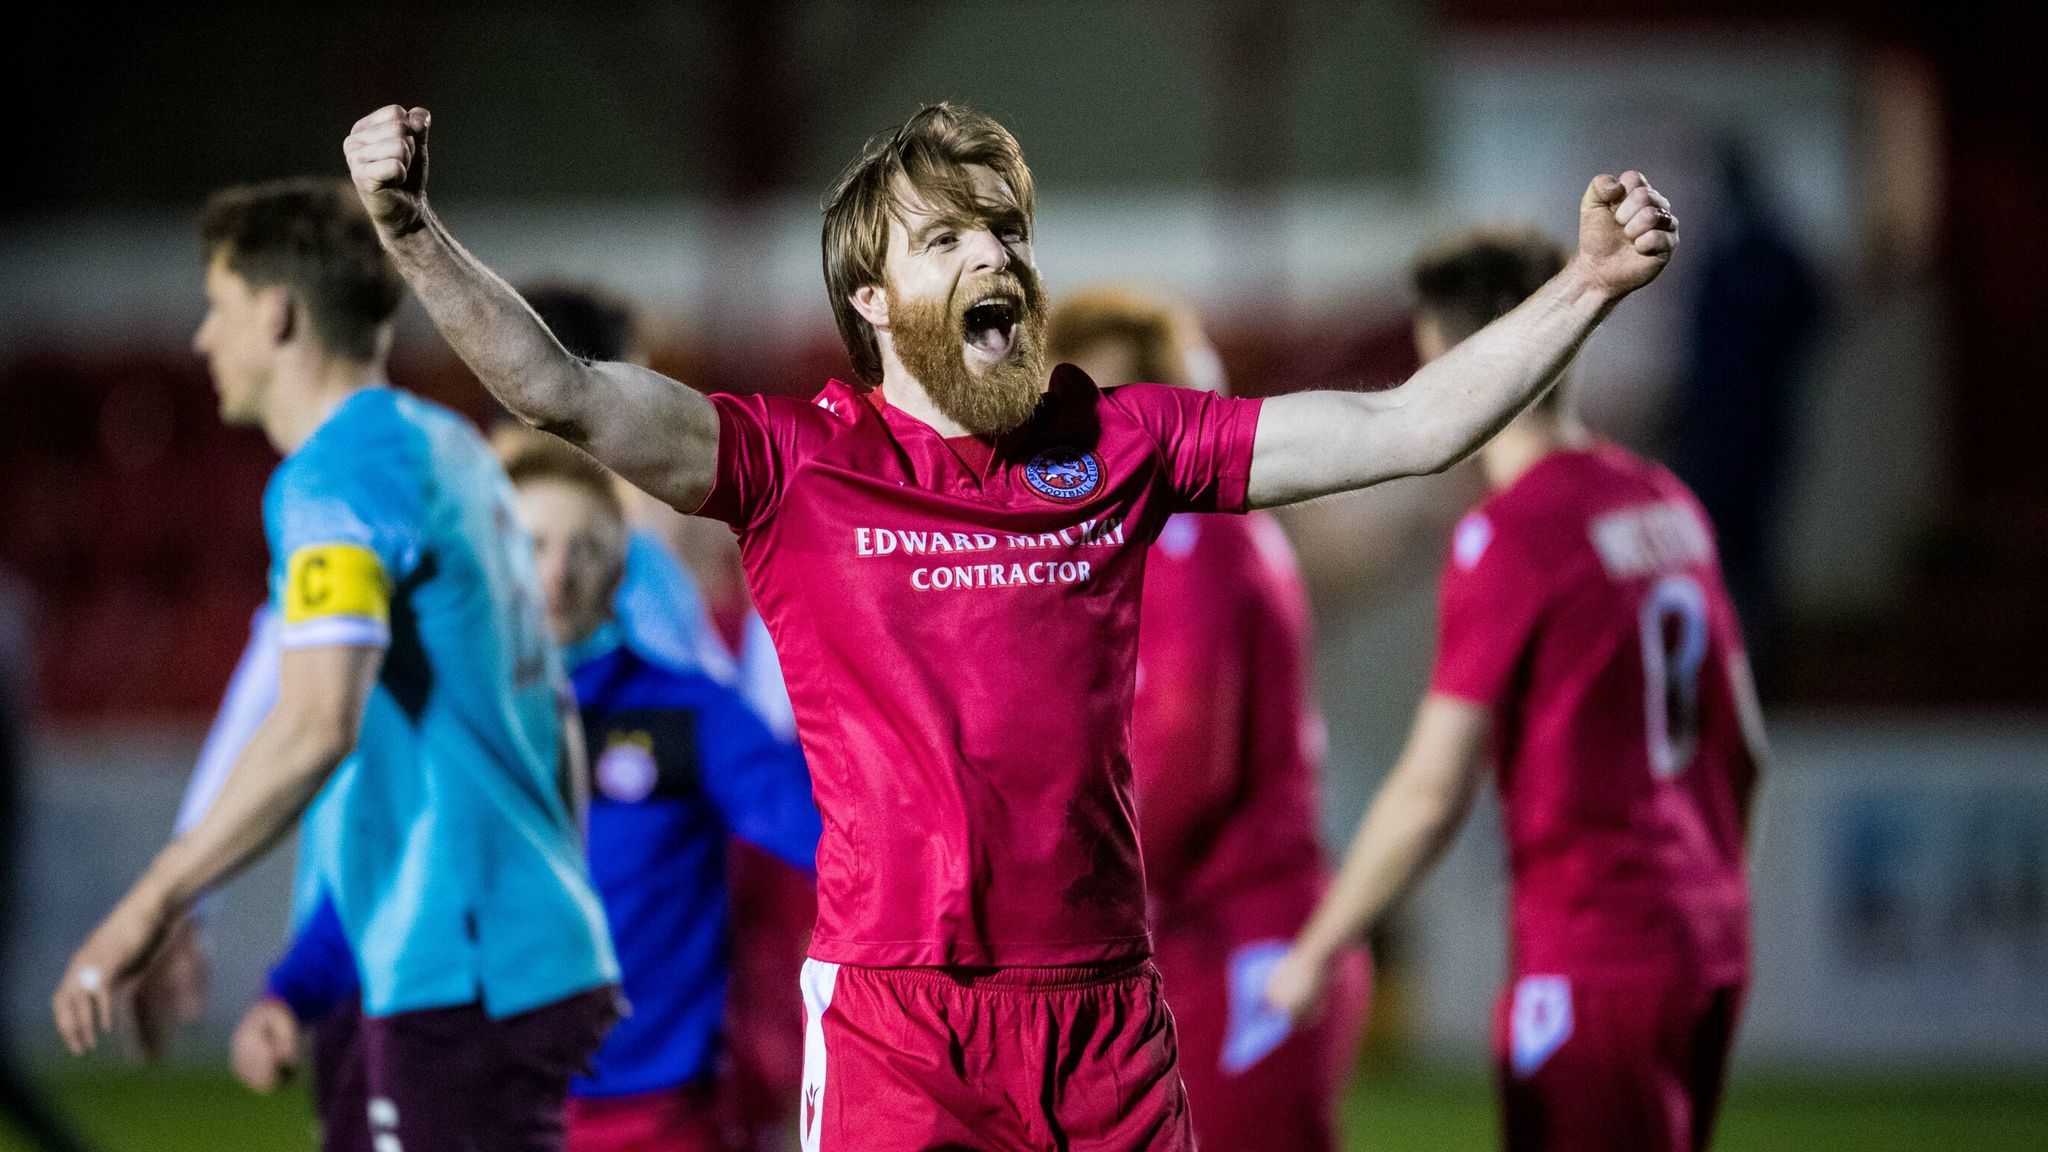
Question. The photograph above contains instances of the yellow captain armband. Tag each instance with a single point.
(336, 594)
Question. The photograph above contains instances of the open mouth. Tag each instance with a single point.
(991, 326)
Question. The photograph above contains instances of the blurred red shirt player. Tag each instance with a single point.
(1226, 741)
(1588, 644)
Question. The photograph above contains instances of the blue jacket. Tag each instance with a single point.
(678, 762)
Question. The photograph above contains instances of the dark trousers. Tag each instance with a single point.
(455, 1080)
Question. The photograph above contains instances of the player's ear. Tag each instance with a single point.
(281, 314)
(872, 303)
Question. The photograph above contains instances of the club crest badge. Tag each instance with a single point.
(1064, 474)
(627, 771)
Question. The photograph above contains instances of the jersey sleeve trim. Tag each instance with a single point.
(336, 632)
(725, 502)
(1241, 434)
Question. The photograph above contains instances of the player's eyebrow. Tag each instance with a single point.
(1004, 216)
(997, 216)
(937, 224)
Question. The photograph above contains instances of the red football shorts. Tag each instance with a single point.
(1632, 1065)
(1023, 1059)
(1255, 1086)
(682, 1119)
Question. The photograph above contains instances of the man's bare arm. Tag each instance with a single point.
(1412, 820)
(656, 432)
(321, 696)
(1316, 443)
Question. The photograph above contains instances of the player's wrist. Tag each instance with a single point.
(150, 906)
(1585, 286)
(1316, 945)
(272, 1001)
(410, 233)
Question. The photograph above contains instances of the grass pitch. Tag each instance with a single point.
(1399, 1109)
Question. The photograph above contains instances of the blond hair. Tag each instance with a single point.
(927, 157)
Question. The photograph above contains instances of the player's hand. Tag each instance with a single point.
(1296, 985)
(265, 1048)
(1626, 232)
(387, 162)
(103, 968)
(171, 991)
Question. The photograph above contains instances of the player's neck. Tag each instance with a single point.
(906, 394)
(305, 393)
(1523, 444)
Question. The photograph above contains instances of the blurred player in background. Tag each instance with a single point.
(679, 763)
(951, 563)
(660, 604)
(711, 623)
(1226, 742)
(661, 614)
(1588, 648)
(418, 721)
(658, 609)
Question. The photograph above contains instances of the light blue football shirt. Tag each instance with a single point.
(446, 840)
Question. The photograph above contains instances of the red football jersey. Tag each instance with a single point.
(960, 646)
(1584, 603)
(1226, 739)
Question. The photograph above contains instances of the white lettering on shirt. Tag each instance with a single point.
(955, 577)
(877, 541)
(1108, 533)
(1646, 538)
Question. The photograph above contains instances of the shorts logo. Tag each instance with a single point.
(1539, 1021)
(384, 1125)
(1064, 474)
(627, 771)
(816, 981)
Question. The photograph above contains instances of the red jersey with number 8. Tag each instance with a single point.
(1584, 604)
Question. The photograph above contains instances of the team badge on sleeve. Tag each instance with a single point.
(1469, 542)
(1064, 474)
(335, 594)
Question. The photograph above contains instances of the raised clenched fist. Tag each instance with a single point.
(387, 161)
(1626, 232)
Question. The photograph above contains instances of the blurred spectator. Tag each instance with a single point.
(1756, 312)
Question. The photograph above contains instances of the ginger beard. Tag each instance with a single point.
(999, 319)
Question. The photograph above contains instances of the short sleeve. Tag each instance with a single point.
(752, 462)
(339, 542)
(1205, 440)
(1491, 602)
